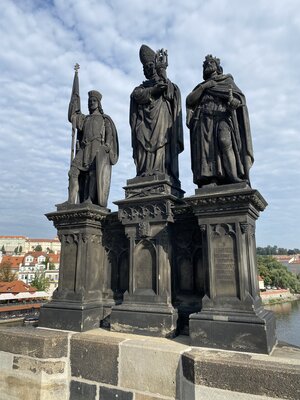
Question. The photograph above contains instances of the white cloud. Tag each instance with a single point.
(41, 41)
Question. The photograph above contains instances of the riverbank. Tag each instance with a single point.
(278, 296)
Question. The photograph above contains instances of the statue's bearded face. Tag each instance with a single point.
(93, 104)
(209, 67)
(149, 69)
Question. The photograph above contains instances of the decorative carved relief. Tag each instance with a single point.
(150, 211)
(144, 229)
(220, 229)
(203, 227)
(244, 227)
(144, 192)
(71, 238)
(115, 240)
(62, 217)
(220, 203)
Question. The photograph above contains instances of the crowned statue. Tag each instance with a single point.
(217, 116)
(156, 118)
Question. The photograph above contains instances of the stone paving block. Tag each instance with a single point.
(141, 396)
(34, 342)
(192, 392)
(6, 361)
(22, 388)
(150, 365)
(37, 366)
(245, 373)
(107, 393)
(95, 357)
(82, 391)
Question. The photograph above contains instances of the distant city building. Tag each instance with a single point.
(261, 283)
(292, 262)
(23, 244)
(33, 263)
(10, 243)
(52, 271)
(46, 244)
(36, 262)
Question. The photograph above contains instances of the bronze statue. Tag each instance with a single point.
(97, 149)
(217, 116)
(156, 118)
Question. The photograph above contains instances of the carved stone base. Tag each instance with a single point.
(153, 185)
(144, 319)
(71, 317)
(147, 216)
(232, 316)
(77, 303)
(251, 332)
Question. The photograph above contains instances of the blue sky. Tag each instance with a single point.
(257, 42)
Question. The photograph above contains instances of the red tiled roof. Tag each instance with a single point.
(14, 260)
(53, 258)
(13, 237)
(43, 240)
(36, 253)
(16, 287)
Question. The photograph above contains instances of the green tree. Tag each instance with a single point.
(3, 249)
(276, 274)
(40, 282)
(38, 248)
(6, 272)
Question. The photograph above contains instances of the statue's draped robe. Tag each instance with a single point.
(204, 120)
(98, 151)
(157, 132)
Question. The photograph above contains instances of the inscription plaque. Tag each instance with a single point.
(225, 265)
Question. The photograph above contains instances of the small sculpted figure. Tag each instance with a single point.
(156, 118)
(217, 116)
(96, 150)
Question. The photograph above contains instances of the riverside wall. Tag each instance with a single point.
(278, 296)
(44, 364)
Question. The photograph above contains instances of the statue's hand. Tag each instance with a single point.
(106, 147)
(208, 84)
(234, 103)
(159, 88)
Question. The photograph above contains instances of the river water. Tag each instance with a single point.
(287, 321)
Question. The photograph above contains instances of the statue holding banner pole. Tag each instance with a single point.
(96, 149)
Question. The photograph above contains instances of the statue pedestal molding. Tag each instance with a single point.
(232, 315)
(77, 303)
(146, 214)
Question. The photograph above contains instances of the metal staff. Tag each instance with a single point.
(74, 107)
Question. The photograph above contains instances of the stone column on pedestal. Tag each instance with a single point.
(146, 214)
(232, 315)
(77, 302)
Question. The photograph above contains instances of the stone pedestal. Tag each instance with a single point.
(232, 316)
(77, 303)
(146, 214)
